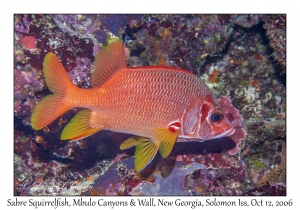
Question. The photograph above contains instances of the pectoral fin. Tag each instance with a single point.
(166, 138)
(145, 150)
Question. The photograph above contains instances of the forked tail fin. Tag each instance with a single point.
(61, 86)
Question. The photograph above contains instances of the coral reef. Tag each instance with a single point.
(275, 174)
(230, 53)
(275, 26)
(180, 40)
(232, 114)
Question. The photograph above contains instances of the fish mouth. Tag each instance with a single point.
(229, 132)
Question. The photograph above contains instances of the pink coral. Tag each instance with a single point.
(236, 120)
(211, 160)
(29, 42)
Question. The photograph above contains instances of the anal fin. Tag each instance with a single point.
(145, 150)
(130, 142)
(78, 128)
(144, 153)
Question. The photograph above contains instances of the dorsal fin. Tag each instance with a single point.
(107, 61)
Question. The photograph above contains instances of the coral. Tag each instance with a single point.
(95, 27)
(262, 103)
(66, 169)
(216, 182)
(181, 40)
(27, 82)
(22, 23)
(29, 42)
(213, 76)
(211, 160)
(81, 74)
(266, 190)
(254, 83)
(156, 48)
(246, 21)
(277, 174)
(267, 167)
(265, 130)
(276, 33)
(232, 114)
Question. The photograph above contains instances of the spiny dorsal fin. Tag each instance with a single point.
(108, 61)
(78, 128)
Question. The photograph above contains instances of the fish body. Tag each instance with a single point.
(156, 104)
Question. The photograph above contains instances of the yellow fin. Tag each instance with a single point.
(166, 139)
(78, 128)
(47, 110)
(145, 151)
(56, 76)
(54, 105)
(108, 60)
(130, 142)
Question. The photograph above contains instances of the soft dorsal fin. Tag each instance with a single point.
(108, 61)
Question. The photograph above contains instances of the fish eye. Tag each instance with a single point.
(216, 117)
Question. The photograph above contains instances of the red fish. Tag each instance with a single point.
(156, 104)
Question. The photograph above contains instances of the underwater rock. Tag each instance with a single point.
(181, 40)
(246, 21)
(275, 26)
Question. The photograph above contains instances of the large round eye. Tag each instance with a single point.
(217, 117)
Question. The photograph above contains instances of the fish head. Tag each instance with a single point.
(204, 120)
(215, 124)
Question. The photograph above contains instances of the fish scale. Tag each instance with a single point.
(153, 101)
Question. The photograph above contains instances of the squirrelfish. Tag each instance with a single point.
(156, 104)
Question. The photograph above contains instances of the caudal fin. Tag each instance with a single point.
(60, 85)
